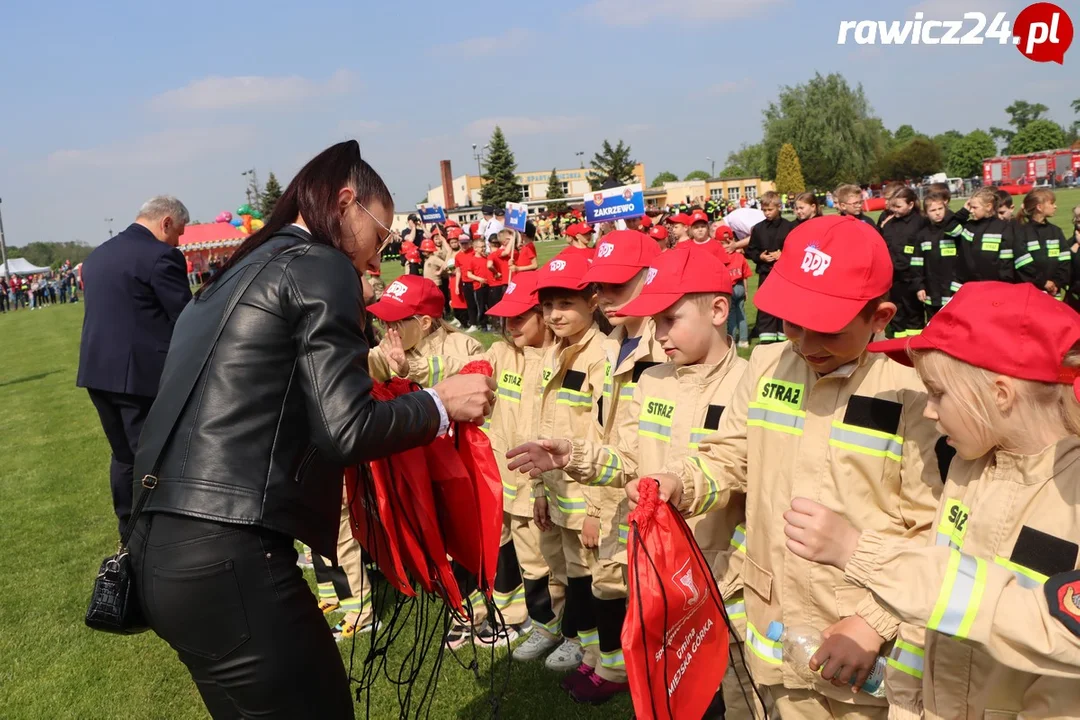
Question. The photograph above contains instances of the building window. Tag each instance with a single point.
(733, 193)
(565, 188)
(751, 192)
(717, 193)
(524, 192)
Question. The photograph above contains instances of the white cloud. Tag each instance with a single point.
(248, 91)
(520, 125)
(645, 12)
(511, 40)
(178, 146)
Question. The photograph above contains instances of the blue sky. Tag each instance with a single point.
(107, 104)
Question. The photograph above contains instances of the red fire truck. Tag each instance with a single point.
(1051, 166)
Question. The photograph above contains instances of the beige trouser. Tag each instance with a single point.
(534, 567)
(510, 601)
(798, 704)
(350, 560)
(738, 686)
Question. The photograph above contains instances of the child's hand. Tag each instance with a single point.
(1051, 287)
(818, 534)
(590, 532)
(540, 513)
(540, 456)
(921, 295)
(394, 352)
(848, 654)
(670, 489)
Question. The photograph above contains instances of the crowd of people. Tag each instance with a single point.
(30, 292)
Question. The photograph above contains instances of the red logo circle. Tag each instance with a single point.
(1043, 32)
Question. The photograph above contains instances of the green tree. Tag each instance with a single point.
(664, 177)
(734, 171)
(697, 175)
(52, 255)
(500, 173)
(789, 177)
(612, 164)
(967, 154)
(749, 157)
(1037, 135)
(1076, 109)
(903, 135)
(270, 195)
(554, 192)
(945, 141)
(1021, 114)
(919, 157)
(831, 128)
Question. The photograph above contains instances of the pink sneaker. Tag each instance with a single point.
(576, 677)
(596, 690)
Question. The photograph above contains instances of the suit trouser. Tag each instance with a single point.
(233, 604)
(545, 590)
(346, 583)
(769, 328)
(910, 315)
(798, 704)
(470, 302)
(122, 417)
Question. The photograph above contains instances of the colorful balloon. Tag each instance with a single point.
(256, 223)
(247, 222)
(244, 209)
(236, 222)
(255, 214)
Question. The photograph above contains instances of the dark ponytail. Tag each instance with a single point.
(313, 194)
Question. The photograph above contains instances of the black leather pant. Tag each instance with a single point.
(232, 602)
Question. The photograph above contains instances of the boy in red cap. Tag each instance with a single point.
(821, 417)
(480, 277)
(668, 409)
(568, 514)
(699, 235)
(579, 240)
(995, 612)
(659, 233)
(679, 225)
(740, 273)
(411, 307)
(766, 242)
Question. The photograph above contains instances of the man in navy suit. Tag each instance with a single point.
(134, 287)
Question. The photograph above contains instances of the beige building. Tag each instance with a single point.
(726, 190)
(534, 185)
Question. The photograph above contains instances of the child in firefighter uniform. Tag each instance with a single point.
(991, 604)
(819, 416)
(671, 407)
(525, 587)
(412, 306)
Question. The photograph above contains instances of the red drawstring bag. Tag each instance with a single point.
(675, 638)
(368, 503)
(468, 495)
(413, 516)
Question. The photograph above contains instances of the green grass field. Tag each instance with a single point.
(57, 521)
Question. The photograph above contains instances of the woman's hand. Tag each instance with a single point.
(394, 352)
(540, 513)
(818, 534)
(590, 532)
(540, 456)
(848, 654)
(467, 398)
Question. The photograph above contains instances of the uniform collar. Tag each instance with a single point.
(565, 354)
(644, 349)
(1033, 469)
(702, 373)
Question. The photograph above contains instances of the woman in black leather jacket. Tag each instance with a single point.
(255, 457)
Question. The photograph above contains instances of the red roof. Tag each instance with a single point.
(210, 232)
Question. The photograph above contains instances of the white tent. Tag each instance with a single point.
(19, 266)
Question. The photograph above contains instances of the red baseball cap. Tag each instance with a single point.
(474, 228)
(829, 269)
(620, 256)
(566, 270)
(723, 232)
(698, 216)
(658, 232)
(680, 219)
(646, 221)
(407, 296)
(1015, 330)
(452, 224)
(684, 270)
(520, 296)
(427, 245)
(454, 233)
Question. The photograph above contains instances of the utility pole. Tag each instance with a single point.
(712, 172)
(3, 247)
(253, 193)
(108, 222)
(581, 154)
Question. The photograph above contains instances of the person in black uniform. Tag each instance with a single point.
(849, 201)
(900, 230)
(255, 459)
(766, 242)
(937, 252)
(988, 250)
(1044, 255)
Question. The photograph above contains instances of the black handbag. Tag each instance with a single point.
(114, 602)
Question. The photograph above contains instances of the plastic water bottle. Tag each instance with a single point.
(801, 642)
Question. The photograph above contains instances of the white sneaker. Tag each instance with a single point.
(566, 657)
(536, 645)
(455, 322)
(488, 634)
(744, 344)
(471, 328)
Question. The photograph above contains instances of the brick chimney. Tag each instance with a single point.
(447, 185)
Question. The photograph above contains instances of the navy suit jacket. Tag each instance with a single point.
(134, 287)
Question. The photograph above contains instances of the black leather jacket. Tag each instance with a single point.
(283, 403)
